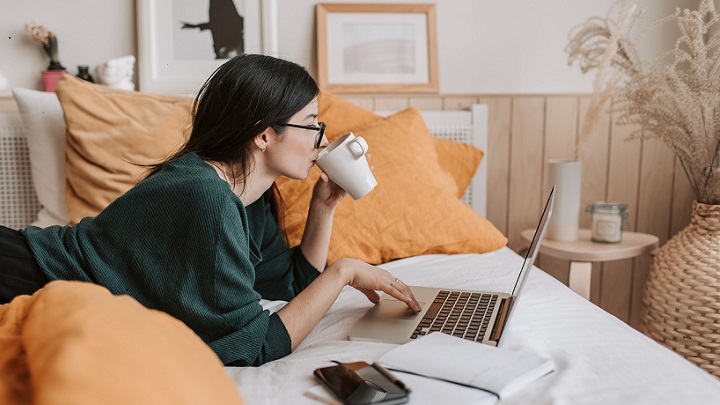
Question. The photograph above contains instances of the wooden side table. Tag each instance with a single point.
(583, 251)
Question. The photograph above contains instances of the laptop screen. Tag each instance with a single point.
(534, 247)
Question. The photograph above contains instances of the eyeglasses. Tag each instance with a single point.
(320, 129)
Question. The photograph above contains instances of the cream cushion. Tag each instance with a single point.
(45, 133)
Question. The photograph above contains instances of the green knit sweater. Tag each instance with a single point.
(182, 242)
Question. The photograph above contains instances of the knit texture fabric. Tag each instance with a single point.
(182, 242)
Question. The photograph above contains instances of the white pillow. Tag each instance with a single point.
(45, 132)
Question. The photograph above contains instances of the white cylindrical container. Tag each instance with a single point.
(566, 176)
(3, 84)
(607, 221)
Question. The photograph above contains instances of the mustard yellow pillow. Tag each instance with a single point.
(86, 346)
(413, 210)
(461, 160)
(110, 133)
(14, 375)
(342, 116)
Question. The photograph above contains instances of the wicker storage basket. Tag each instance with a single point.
(682, 295)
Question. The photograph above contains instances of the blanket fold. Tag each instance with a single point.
(74, 342)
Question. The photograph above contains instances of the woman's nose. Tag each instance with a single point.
(324, 142)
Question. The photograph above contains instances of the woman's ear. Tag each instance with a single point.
(262, 140)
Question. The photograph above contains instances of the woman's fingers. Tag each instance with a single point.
(372, 295)
(368, 278)
(398, 289)
(327, 192)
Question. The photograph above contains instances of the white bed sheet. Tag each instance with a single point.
(598, 358)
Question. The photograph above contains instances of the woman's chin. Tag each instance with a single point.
(299, 176)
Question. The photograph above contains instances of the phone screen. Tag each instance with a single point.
(362, 384)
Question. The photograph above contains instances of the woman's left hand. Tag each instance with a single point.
(327, 193)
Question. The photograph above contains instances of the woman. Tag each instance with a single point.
(199, 238)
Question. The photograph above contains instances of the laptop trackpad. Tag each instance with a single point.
(393, 310)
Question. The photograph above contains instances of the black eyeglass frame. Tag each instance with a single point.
(321, 129)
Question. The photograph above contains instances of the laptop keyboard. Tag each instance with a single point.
(462, 314)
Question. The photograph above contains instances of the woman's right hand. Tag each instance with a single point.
(370, 279)
(304, 311)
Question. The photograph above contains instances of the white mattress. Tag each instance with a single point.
(598, 358)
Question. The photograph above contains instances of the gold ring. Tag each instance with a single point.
(393, 283)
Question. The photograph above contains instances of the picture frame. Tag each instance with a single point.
(176, 60)
(377, 48)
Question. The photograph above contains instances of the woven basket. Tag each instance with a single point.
(682, 295)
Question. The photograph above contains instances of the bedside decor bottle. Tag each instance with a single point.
(566, 175)
(84, 73)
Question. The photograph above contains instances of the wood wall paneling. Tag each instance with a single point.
(682, 203)
(392, 103)
(561, 128)
(593, 152)
(427, 103)
(459, 102)
(654, 210)
(623, 170)
(7, 105)
(525, 188)
(498, 155)
(655, 189)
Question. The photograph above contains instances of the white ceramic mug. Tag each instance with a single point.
(345, 163)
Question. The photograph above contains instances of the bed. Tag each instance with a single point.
(598, 358)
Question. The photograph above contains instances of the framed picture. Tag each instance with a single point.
(377, 48)
(181, 42)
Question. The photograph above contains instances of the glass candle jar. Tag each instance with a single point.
(607, 221)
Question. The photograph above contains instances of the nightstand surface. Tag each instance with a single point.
(633, 244)
(583, 251)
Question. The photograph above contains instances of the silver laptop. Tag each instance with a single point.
(479, 316)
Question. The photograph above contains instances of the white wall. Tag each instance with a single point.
(485, 46)
(89, 33)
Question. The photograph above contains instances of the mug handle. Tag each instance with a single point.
(358, 147)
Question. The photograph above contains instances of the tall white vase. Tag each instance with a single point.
(566, 175)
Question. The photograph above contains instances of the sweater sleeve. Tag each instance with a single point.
(252, 335)
(283, 272)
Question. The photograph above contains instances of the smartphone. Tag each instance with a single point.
(361, 383)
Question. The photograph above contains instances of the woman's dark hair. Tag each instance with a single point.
(243, 97)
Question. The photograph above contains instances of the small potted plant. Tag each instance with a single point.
(39, 33)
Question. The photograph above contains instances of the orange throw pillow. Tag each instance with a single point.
(461, 160)
(413, 210)
(342, 116)
(110, 133)
(14, 375)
